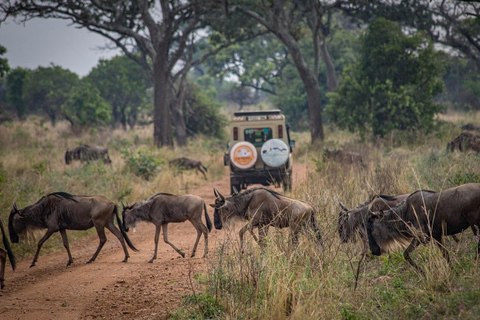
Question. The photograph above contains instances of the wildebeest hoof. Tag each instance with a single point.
(150, 261)
(90, 261)
(32, 265)
(182, 254)
(193, 255)
(125, 260)
(69, 263)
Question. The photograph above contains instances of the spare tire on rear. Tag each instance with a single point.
(275, 153)
(243, 155)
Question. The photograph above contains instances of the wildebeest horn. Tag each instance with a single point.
(235, 191)
(219, 194)
(342, 206)
(215, 192)
(123, 205)
(15, 206)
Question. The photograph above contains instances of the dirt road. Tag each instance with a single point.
(107, 288)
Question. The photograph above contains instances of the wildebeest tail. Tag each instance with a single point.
(122, 230)
(6, 243)
(316, 230)
(204, 168)
(207, 218)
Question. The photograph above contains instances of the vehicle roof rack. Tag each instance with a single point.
(257, 112)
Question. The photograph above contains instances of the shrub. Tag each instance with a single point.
(143, 164)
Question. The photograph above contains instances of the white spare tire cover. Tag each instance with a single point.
(274, 152)
(243, 155)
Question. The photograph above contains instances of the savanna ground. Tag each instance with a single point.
(282, 282)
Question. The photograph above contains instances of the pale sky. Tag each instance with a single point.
(41, 42)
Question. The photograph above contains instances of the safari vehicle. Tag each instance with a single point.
(260, 150)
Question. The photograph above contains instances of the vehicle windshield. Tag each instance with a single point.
(257, 136)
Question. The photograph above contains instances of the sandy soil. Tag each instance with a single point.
(107, 288)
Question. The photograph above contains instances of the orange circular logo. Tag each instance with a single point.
(243, 155)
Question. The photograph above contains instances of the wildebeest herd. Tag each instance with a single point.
(383, 223)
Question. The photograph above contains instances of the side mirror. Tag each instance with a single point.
(228, 145)
(292, 144)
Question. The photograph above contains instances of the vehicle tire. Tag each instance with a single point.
(287, 183)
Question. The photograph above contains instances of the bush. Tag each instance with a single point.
(143, 164)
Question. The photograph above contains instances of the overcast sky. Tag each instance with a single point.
(41, 42)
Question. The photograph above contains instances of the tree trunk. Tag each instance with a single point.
(162, 128)
(178, 119)
(332, 80)
(309, 79)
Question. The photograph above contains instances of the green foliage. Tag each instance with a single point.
(203, 115)
(143, 164)
(3, 173)
(85, 107)
(4, 67)
(15, 101)
(46, 89)
(392, 86)
(199, 306)
(122, 83)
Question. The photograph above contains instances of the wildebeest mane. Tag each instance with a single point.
(63, 195)
(247, 192)
(160, 194)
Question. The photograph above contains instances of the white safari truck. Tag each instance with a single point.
(259, 150)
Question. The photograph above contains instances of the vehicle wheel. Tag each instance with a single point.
(287, 183)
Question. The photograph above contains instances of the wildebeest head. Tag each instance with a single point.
(68, 157)
(134, 213)
(372, 232)
(16, 224)
(107, 159)
(223, 209)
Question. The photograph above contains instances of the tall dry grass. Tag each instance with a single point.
(284, 282)
(32, 164)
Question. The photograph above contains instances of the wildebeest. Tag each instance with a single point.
(465, 142)
(61, 211)
(189, 164)
(164, 208)
(346, 157)
(354, 222)
(263, 207)
(422, 217)
(87, 153)
(3, 256)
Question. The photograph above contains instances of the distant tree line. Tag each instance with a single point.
(303, 56)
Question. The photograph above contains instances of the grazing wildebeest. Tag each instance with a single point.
(164, 208)
(354, 222)
(189, 164)
(87, 153)
(61, 211)
(263, 208)
(465, 142)
(421, 217)
(346, 157)
(3, 256)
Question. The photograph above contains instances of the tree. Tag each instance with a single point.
(123, 84)
(392, 86)
(452, 23)
(47, 88)
(85, 107)
(15, 102)
(4, 67)
(152, 33)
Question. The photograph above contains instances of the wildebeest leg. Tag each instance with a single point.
(262, 234)
(65, 244)
(40, 244)
(165, 238)
(103, 239)
(3, 260)
(110, 226)
(241, 233)
(201, 228)
(454, 236)
(157, 236)
(414, 244)
(202, 171)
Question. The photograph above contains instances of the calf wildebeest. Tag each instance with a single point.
(87, 153)
(189, 164)
(164, 208)
(346, 157)
(61, 211)
(263, 208)
(421, 217)
(3, 256)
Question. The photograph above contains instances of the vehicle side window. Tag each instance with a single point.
(257, 136)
